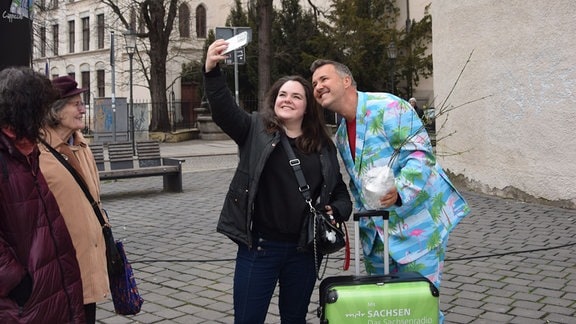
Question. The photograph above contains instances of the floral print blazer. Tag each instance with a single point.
(389, 132)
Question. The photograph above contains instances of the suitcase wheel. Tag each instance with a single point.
(332, 297)
(435, 292)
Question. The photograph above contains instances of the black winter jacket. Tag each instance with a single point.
(255, 145)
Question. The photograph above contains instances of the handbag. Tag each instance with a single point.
(125, 296)
(324, 234)
(127, 300)
(114, 260)
(328, 235)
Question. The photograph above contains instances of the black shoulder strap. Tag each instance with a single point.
(79, 180)
(296, 167)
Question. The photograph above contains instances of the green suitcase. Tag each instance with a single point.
(399, 298)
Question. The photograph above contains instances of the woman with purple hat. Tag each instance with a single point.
(62, 132)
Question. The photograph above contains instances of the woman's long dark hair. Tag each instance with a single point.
(25, 99)
(314, 131)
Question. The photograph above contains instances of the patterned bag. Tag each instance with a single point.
(127, 300)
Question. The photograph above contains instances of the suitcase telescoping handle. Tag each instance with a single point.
(370, 213)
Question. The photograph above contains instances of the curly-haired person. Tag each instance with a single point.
(39, 275)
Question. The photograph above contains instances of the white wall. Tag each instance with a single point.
(519, 141)
(424, 92)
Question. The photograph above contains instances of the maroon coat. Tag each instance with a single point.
(34, 240)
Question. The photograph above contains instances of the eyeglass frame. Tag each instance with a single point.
(77, 103)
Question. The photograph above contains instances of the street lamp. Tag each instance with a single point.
(392, 54)
(130, 38)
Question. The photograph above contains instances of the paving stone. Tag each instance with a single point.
(504, 292)
(468, 311)
(487, 284)
(527, 297)
(526, 312)
(490, 317)
(562, 302)
(464, 302)
(548, 292)
(168, 313)
(498, 300)
(559, 318)
(527, 304)
(512, 289)
(552, 309)
(458, 318)
(549, 283)
(474, 288)
(516, 281)
(471, 295)
(525, 320)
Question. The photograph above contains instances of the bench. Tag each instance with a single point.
(98, 152)
(149, 163)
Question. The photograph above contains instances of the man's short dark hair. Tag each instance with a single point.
(341, 69)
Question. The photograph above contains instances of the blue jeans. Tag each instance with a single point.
(259, 270)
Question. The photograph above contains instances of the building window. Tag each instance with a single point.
(184, 20)
(200, 21)
(85, 34)
(54, 4)
(71, 33)
(86, 84)
(72, 75)
(100, 22)
(55, 40)
(42, 41)
(100, 83)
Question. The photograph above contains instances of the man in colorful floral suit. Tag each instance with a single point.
(380, 131)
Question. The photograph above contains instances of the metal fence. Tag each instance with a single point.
(182, 114)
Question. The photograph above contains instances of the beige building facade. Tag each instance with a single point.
(77, 37)
(511, 132)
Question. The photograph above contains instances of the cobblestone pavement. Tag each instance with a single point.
(508, 262)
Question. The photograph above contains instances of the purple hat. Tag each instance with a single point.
(66, 86)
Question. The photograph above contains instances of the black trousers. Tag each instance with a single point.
(90, 311)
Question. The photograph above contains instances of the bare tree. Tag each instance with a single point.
(265, 12)
(158, 18)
